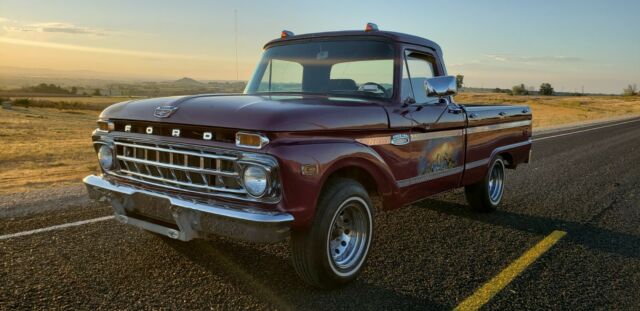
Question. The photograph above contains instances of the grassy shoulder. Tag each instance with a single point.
(49, 144)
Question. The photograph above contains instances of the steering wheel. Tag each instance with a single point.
(378, 86)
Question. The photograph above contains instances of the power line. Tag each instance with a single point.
(235, 18)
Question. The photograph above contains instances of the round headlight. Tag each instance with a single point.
(255, 180)
(105, 157)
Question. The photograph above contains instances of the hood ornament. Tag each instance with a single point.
(164, 111)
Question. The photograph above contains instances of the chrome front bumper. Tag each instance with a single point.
(189, 219)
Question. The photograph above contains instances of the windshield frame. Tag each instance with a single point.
(397, 68)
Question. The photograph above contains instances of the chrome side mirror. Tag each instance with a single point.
(441, 86)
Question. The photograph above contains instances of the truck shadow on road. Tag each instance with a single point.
(265, 271)
(270, 277)
(585, 234)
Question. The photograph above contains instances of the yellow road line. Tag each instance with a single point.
(483, 294)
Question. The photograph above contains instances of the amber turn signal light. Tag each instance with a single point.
(106, 126)
(251, 140)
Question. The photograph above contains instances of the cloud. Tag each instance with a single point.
(82, 48)
(51, 27)
(533, 59)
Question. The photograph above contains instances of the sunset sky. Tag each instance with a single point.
(571, 44)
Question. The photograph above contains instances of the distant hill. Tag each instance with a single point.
(187, 81)
(32, 81)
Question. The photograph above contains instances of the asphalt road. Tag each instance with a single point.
(431, 255)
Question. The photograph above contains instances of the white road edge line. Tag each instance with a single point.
(57, 227)
(586, 130)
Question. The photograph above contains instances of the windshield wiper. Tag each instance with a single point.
(288, 93)
(357, 93)
(362, 94)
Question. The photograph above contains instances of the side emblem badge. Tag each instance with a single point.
(164, 111)
(400, 139)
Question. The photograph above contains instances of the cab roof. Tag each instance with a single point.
(390, 35)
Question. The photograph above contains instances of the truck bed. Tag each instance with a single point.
(496, 130)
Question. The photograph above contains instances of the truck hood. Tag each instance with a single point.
(258, 113)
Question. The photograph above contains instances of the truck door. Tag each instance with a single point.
(437, 137)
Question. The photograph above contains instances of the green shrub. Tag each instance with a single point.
(519, 90)
(630, 90)
(546, 89)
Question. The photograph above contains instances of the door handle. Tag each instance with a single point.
(473, 116)
(502, 113)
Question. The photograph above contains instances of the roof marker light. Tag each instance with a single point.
(286, 33)
(371, 27)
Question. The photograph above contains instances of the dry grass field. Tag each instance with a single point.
(44, 147)
(96, 103)
(551, 111)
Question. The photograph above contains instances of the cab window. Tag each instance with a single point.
(417, 68)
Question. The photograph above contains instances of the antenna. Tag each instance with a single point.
(235, 15)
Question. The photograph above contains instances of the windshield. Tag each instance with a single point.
(354, 68)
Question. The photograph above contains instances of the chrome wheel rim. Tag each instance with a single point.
(496, 182)
(349, 236)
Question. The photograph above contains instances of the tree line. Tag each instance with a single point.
(44, 88)
(546, 89)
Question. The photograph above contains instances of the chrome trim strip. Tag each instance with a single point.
(434, 135)
(475, 164)
(216, 194)
(374, 141)
(386, 140)
(142, 169)
(495, 127)
(151, 172)
(198, 154)
(185, 184)
(427, 177)
(511, 146)
(264, 140)
(516, 145)
(479, 163)
(178, 167)
(243, 215)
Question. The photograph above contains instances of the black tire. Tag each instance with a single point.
(312, 249)
(483, 196)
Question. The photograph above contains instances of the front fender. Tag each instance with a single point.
(301, 192)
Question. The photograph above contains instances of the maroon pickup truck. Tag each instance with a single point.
(332, 128)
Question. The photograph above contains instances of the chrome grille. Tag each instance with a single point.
(179, 167)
